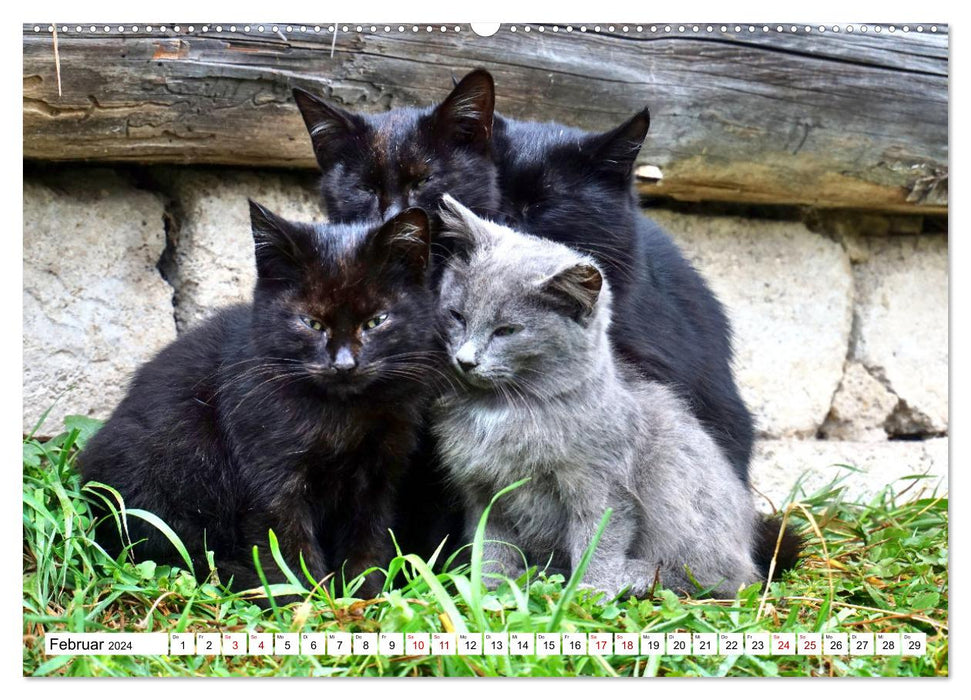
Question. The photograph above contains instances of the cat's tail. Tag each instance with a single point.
(769, 545)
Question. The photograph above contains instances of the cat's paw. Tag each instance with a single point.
(634, 578)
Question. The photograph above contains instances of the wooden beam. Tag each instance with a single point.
(834, 120)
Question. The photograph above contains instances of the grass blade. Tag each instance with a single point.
(571, 586)
(281, 562)
(266, 585)
(169, 533)
(478, 542)
(438, 591)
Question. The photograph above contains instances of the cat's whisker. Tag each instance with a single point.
(531, 393)
(260, 401)
(430, 354)
(419, 373)
(252, 373)
(516, 399)
(228, 368)
(252, 390)
(528, 387)
(524, 402)
(263, 365)
(615, 256)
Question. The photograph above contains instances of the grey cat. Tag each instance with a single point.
(541, 394)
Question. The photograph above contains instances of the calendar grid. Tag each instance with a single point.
(505, 643)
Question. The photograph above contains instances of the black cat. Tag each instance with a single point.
(296, 413)
(373, 165)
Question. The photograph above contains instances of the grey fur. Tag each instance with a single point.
(551, 402)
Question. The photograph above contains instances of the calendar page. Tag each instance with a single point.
(744, 474)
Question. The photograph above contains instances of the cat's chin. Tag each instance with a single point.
(342, 385)
(477, 384)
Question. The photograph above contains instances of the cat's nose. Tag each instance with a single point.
(345, 360)
(465, 358)
(467, 366)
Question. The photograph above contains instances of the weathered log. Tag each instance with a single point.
(834, 120)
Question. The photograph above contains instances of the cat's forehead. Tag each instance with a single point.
(484, 291)
(536, 141)
(521, 258)
(337, 242)
(343, 256)
(511, 266)
(392, 135)
(342, 278)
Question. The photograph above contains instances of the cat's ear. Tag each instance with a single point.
(278, 252)
(466, 115)
(616, 150)
(331, 128)
(462, 226)
(404, 240)
(574, 290)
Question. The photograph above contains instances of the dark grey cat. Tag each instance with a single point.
(542, 395)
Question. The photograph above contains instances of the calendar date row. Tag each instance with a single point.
(397, 644)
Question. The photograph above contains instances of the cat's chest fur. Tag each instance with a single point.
(329, 454)
(488, 445)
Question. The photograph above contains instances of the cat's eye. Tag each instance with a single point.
(372, 323)
(367, 189)
(456, 316)
(312, 323)
(503, 331)
(422, 182)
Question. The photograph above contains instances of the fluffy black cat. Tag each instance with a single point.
(560, 183)
(373, 165)
(297, 413)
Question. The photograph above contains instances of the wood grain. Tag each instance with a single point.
(833, 120)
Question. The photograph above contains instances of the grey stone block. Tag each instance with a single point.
(95, 305)
(789, 295)
(214, 264)
(901, 326)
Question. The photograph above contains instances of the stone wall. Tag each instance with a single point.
(841, 337)
(841, 320)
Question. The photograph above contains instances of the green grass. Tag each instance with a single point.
(879, 566)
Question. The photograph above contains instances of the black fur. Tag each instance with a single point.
(766, 538)
(248, 422)
(374, 165)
